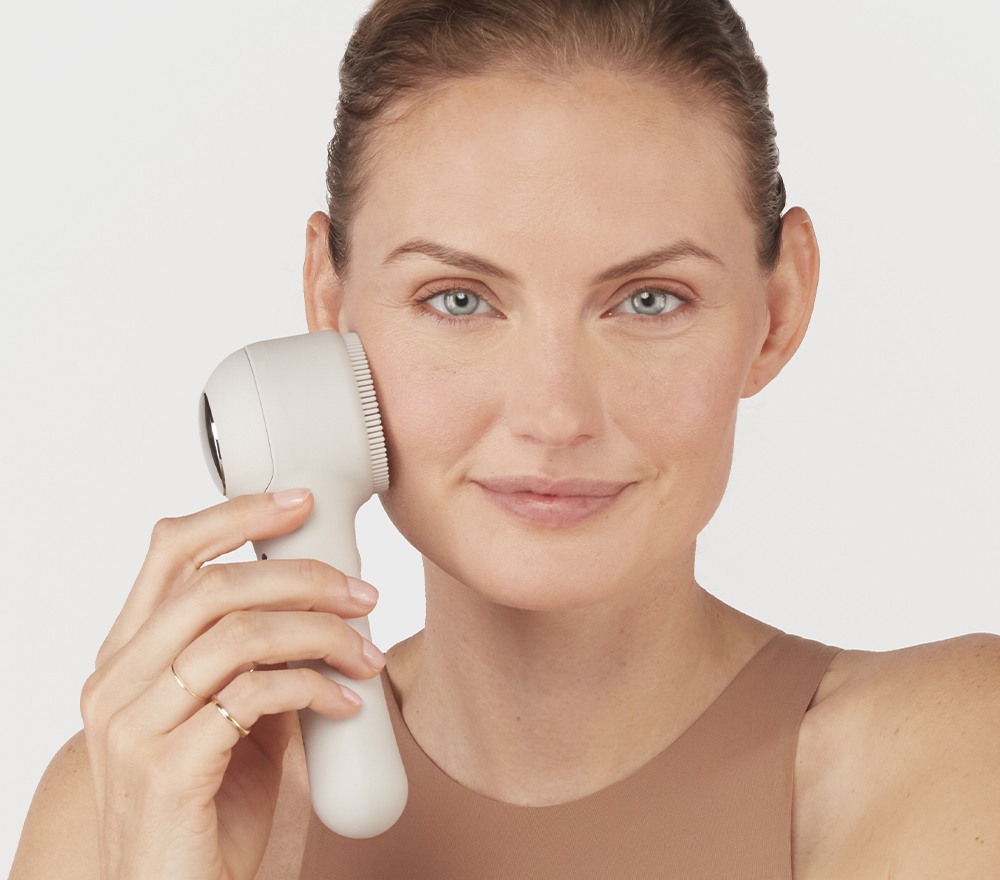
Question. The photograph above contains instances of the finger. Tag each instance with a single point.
(253, 638)
(193, 757)
(218, 590)
(223, 654)
(180, 546)
(185, 543)
(254, 694)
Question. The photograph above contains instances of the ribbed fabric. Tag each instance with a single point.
(716, 803)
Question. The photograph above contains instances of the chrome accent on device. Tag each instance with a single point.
(211, 446)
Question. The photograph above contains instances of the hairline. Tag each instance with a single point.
(543, 67)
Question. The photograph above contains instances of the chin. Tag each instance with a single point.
(469, 544)
(525, 586)
(554, 571)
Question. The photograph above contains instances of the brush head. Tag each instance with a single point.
(280, 413)
(373, 421)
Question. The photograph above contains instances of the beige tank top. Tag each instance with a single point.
(716, 803)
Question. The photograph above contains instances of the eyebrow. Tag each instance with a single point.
(452, 256)
(669, 254)
(471, 263)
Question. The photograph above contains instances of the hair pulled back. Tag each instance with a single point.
(701, 47)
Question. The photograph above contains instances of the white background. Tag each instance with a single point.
(158, 162)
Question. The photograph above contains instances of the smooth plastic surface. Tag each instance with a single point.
(244, 448)
(315, 429)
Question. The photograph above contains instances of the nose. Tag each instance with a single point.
(553, 395)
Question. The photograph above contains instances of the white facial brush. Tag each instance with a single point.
(301, 412)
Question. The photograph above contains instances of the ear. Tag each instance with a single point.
(324, 293)
(791, 292)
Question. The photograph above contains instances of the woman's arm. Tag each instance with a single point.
(60, 832)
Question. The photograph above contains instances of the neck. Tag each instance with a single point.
(542, 707)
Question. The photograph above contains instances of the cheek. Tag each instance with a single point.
(705, 392)
(686, 406)
(705, 412)
(686, 431)
(433, 414)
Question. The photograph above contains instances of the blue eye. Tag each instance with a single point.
(459, 303)
(649, 302)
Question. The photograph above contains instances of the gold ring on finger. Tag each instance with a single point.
(239, 728)
(181, 683)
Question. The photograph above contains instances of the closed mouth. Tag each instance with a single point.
(554, 502)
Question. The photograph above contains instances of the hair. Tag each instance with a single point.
(404, 48)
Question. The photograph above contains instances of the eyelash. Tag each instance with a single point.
(446, 318)
(668, 315)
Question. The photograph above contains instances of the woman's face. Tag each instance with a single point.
(558, 291)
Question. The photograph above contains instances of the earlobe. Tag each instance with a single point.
(791, 293)
(324, 293)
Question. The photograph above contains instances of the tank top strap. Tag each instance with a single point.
(715, 803)
(732, 772)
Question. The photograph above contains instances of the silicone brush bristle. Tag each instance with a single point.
(373, 422)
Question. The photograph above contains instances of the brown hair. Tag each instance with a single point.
(401, 47)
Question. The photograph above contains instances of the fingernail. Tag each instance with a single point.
(350, 696)
(290, 498)
(362, 592)
(372, 654)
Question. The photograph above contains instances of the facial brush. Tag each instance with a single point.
(301, 412)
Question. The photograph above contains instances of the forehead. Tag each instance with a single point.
(522, 166)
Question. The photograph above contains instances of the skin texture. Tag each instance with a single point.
(557, 656)
(554, 380)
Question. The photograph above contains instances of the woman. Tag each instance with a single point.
(557, 228)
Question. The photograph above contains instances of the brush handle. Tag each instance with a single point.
(301, 412)
(356, 775)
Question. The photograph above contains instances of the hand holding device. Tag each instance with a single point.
(301, 411)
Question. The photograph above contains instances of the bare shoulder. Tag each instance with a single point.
(60, 832)
(898, 770)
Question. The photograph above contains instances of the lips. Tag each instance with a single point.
(552, 502)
